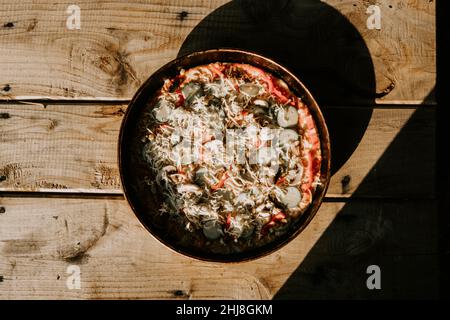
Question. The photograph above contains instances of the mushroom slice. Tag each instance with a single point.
(212, 230)
(163, 111)
(287, 137)
(266, 155)
(267, 134)
(249, 89)
(190, 90)
(292, 197)
(287, 117)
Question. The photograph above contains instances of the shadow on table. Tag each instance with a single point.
(398, 235)
(314, 41)
(321, 46)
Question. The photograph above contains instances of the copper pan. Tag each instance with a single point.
(133, 169)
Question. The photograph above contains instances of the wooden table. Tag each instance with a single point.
(63, 94)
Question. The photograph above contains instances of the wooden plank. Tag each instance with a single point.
(395, 157)
(41, 237)
(70, 148)
(73, 148)
(120, 44)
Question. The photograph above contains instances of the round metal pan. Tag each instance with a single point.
(133, 169)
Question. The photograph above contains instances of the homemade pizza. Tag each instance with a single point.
(235, 156)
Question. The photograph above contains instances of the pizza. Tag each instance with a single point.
(235, 156)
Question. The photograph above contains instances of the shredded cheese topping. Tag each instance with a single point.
(235, 153)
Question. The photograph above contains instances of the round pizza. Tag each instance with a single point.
(235, 156)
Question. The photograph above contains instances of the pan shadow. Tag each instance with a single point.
(327, 53)
(315, 42)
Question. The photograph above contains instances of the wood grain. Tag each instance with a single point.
(63, 150)
(41, 237)
(121, 44)
(73, 148)
(60, 147)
